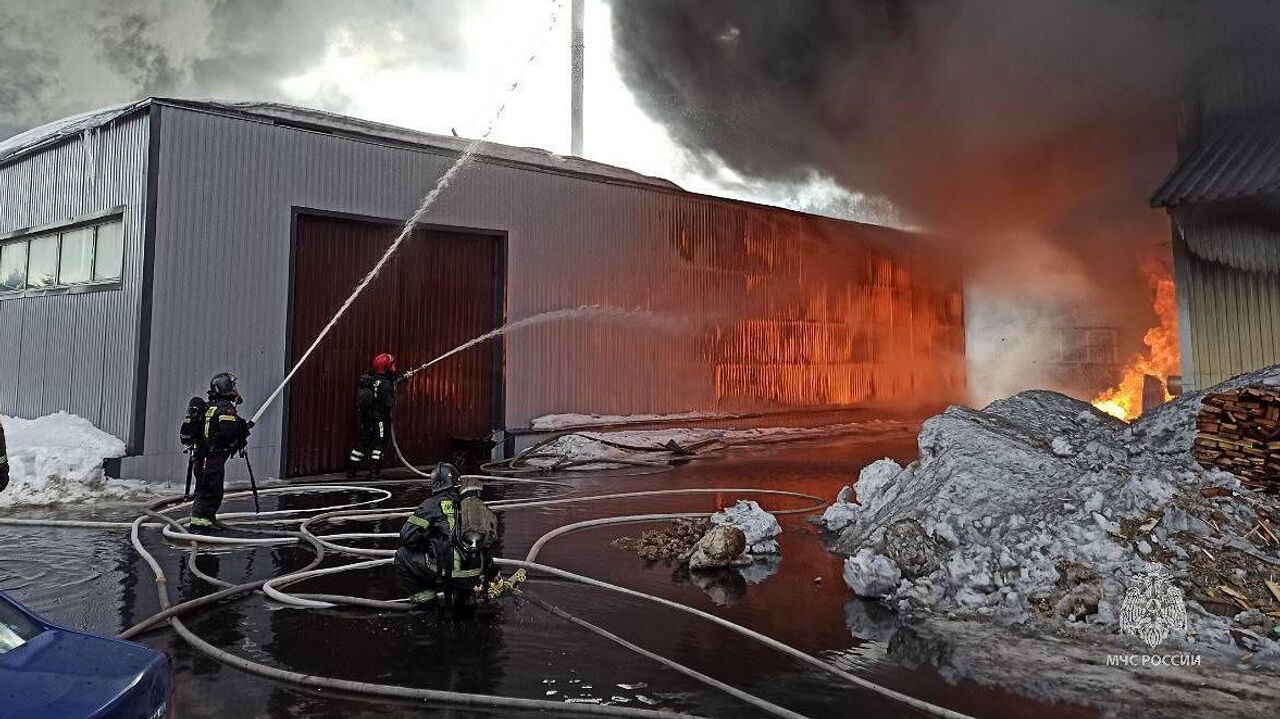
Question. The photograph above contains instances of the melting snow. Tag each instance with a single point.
(58, 458)
(1041, 509)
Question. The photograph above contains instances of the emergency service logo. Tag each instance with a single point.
(1153, 608)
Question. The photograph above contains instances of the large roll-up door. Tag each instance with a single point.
(440, 290)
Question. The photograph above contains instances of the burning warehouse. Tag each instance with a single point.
(149, 246)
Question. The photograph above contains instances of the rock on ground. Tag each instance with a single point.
(722, 546)
(1040, 511)
(760, 527)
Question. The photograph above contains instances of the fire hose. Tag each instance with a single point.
(174, 530)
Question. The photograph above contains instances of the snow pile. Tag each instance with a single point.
(658, 445)
(1040, 509)
(565, 421)
(760, 528)
(871, 483)
(58, 458)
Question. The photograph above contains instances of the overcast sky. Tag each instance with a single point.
(434, 65)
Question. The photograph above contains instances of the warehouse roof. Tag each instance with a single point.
(330, 123)
(1233, 158)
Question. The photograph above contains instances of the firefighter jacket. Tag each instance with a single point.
(376, 395)
(224, 430)
(429, 532)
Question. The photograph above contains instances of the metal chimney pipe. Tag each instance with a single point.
(575, 102)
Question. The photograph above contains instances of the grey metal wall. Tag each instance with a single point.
(222, 258)
(1228, 280)
(76, 352)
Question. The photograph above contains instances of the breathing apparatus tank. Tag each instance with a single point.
(477, 524)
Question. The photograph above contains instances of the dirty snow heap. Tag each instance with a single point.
(1041, 511)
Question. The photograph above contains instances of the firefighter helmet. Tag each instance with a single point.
(384, 363)
(443, 477)
(223, 386)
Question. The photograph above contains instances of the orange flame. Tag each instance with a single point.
(1159, 359)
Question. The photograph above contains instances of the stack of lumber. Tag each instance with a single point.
(1239, 431)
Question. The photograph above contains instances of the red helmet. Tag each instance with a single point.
(384, 363)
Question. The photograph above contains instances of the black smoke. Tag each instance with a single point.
(1032, 132)
(971, 114)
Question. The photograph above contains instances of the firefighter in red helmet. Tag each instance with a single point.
(375, 397)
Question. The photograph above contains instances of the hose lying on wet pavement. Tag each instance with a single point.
(323, 545)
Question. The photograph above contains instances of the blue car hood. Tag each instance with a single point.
(60, 674)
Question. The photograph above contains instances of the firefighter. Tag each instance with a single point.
(222, 433)
(426, 540)
(375, 397)
(4, 461)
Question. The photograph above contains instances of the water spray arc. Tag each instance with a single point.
(540, 318)
(428, 201)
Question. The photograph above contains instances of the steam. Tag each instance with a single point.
(1025, 131)
(62, 57)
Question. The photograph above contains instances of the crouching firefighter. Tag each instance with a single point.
(375, 398)
(213, 431)
(445, 546)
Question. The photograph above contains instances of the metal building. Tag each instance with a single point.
(1223, 200)
(190, 238)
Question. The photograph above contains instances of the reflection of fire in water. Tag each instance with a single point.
(1159, 359)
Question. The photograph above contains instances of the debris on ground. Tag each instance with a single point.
(674, 541)
(760, 527)
(707, 546)
(58, 458)
(1039, 512)
(1239, 431)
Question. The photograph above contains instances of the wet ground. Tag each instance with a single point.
(92, 580)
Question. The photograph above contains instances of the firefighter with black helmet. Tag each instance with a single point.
(375, 398)
(221, 433)
(426, 539)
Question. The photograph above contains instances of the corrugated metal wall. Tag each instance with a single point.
(1228, 281)
(737, 306)
(76, 352)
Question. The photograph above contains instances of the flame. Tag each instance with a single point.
(1159, 359)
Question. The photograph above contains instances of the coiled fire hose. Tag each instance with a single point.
(323, 545)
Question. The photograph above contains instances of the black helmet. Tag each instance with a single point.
(443, 477)
(223, 386)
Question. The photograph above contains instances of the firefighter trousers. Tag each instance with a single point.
(371, 443)
(210, 474)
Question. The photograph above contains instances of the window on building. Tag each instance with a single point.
(13, 266)
(1087, 345)
(42, 262)
(75, 266)
(83, 255)
(109, 255)
(1102, 346)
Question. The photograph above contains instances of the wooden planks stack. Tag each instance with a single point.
(1239, 431)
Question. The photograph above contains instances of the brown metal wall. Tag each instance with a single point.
(438, 292)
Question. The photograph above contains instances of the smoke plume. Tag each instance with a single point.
(1030, 132)
(61, 57)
